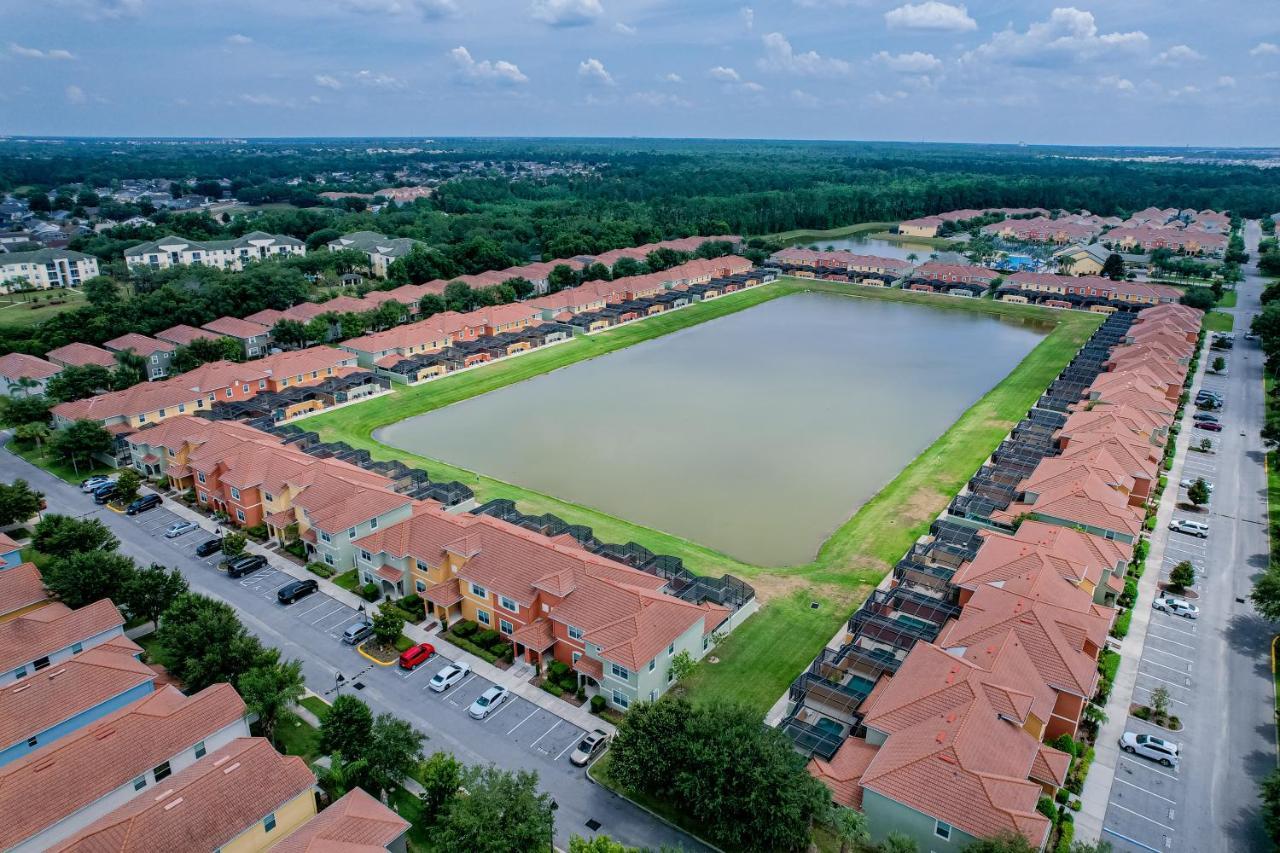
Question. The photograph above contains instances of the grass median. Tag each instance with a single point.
(761, 657)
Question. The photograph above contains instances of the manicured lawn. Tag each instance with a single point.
(315, 705)
(17, 310)
(301, 740)
(348, 580)
(1228, 299)
(409, 807)
(151, 649)
(1218, 321)
(762, 656)
(807, 236)
(58, 467)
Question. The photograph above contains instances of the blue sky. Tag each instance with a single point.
(1175, 72)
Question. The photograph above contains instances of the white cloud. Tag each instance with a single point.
(778, 56)
(377, 80)
(930, 15)
(430, 9)
(1068, 35)
(75, 95)
(593, 70)
(328, 82)
(724, 74)
(658, 99)
(261, 100)
(752, 87)
(486, 71)
(909, 63)
(239, 39)
(36, 53)
(1226, 81)
(804, 99)
(567, 13)
(1120, 84)
(1178, 54)
(748, 17)
(110, 9)
(878, 97)
(673, 77)
(1264, 48)
(624, 29)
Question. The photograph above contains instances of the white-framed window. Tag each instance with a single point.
(200, 476)
(245, 387)
(240, 515)
(182, 407)
(262, 383)
(325, 537)
(575, 633)
(422, 567)
(505, 627)
(140, 783)
(328, 558)
(942, 830)
(373, 524)
(577, 656)
(269, 822)
(200, 750)
(266, 496)
(653, 664)
(235, 493)
(366, 556)
(482, 616)
(77, 648)
(351, 532)
(620, 699)
(142, 419)
(671, 650)
(419, 586)
(230, 391)
(620, 671)
(162, 413)
(508, 604)
(478, 590)
(162, 771)
(204, 499)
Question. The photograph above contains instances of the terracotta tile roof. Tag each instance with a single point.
(140, 399)
(140, 344)
(356, 823)
(7, 544)
(335, 503)
(840, 259)
(43, 699)
(50, 784)
(536, 635)
(20, 587)
(80, 354)
(1074, 545)
(52, 628)
(1086, 500)
(433, 333)
(843, 773)
(266, 317)
(203, 806)
(1051, 765)
(19, 365)
(590, 667)
(234, 327)
(446, 594)
(1055, 474)
(1108, 419)
(955, 272)
(1003, 557)
(294, 363)
(183, 334)
(390, 573)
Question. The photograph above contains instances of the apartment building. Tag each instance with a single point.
(158, 353)
(171, 251)
(21, 586)
(45, 268)
(79, 355)
(841, 260)
(1041, 229)
(380, 249)
(26, 375)
(182, 335)
(35, 640)
(254, 337)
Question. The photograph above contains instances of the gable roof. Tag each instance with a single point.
(20, 586)
(19, 365)
(42, 632)
(234, 327)
(79, 354)
(140, 344)
(356, 823)
(183, 335)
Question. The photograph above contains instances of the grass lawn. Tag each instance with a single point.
(17, 311)
(409, 807)
(935, 242)
(348, 580)
(151, 649)
(58, 467)
(315, 705)
(1218, 321)
(761, 657)
(808, 236)
(1228, 299)
(301, 739)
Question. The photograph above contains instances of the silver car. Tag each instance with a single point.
(1191, 528)
(1165, 752)
(488, 702)
(591, 745)
(1176, 606)
(180, 527)
(449, 676)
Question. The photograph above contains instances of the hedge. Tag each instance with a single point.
(321, 569)
(1121, 629)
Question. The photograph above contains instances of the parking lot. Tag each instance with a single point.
(317, 623)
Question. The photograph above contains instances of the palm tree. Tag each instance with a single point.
(23, 384)
(341, 775)
(1065, 263)
(271, 691)
(35, 433)
(912, 257)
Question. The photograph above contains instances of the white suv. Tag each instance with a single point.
(1191, 528)
(1148, 746)
(1176, 606)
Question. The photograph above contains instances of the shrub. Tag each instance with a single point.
(1066, 832)
(483, 654)
(415, 606)
(1143, 713)
(597, 704)
(1063, 795)
(320, 569)
(1109, 664)
(1046, 808)
(298, 549)
(557, 670)
(464, 629)
(503, 651)
(1121, 629)
(258, 533)
(487, 639)
(369, 592)
(1075, 805)
(1066, 744)
(552, 689)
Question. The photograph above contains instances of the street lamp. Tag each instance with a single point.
(554, 806)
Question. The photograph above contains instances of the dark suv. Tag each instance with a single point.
(291, 592)
(248, 564)
(143, 504)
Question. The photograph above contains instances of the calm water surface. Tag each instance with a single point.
(874, 246)
(757, 434)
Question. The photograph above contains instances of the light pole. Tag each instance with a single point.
(554, 806)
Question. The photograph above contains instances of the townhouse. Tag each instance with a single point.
(619, 628)
(1040, 229)
(925, 226)
(158, 353)
(354, 815)
(840, 265)
(45, 268)
(79, 355)
(182, 335)
(26, 375)
(955, 279)
(254, 337)
(1147, 238)
(171, 251)
(1083, 291)
(37, 639)
(379, 248)
(10, 553)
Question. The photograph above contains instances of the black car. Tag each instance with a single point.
(143, 504)
(241, 566)
(102, 494)
(208, 547)
(291, 592)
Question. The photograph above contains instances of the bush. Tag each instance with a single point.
(258, 533)
(1121, 629)
(1066, 744)
(1143, 713)
(299, 550)
(1063, 795)
(1109, 664)
(503, 651)
(487, 639)
(597, 704)
(321, 569)
(369, 592)
(1046, 808)
(464, 629)
(414, 606)
(552, 689)
(1075, 806)
(483, 654)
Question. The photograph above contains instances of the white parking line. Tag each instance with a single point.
(566, 749)
(1170, 654)
(1150, 691)
(316, 606)
(1181, 685)
(1147, 791)
(522, 722)
(505, 706)
(1146, 767)
(470, 678)
(1165, 627)
(547, 732)
(1179, 670)
(1167, 640)
(1141, 815)
(327, 615)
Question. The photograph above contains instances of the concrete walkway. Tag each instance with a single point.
(515, 679)
(1097, 786)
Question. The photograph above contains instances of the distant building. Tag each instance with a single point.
(1086, 260)
(174, 251)
(45, 268)
(158, 354)
(381, 249)
(22, 374)
(925, 226)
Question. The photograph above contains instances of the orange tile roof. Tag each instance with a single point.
(203, 806)
(234, 327)
(294, 363)
(140, 344)
(1086, 500)
(537, 635)
(19, 365)
(52, 628)
(183, 334)
(843, 773)
(79, 354)
(69, 774)
(20, 587)
(356, 823)
(334, 503)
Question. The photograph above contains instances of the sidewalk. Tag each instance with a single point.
(514, 680)
(1097, 785)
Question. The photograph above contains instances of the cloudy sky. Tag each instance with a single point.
(1166, 72)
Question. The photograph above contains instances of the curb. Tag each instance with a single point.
(367, 656)
(643, 807)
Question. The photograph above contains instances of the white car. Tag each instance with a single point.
(94, 482)
(449, 676)
(1151, 747)
(1176, 606)
(488, 702)
(1191, 528)
(1189, 482)
(180, 527)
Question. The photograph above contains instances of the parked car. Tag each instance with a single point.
(245, 565)
(102, 494)
(1188, 482)
(1154, 748)
(415, 656)
(208, 547)
(178, 528)
(292, 591)
(1191, 528)
(1209, 426)
(1204, 417)
(1176, 606)
(1251, 337)
(589, 747)
(449, 676)
(143, 504)
(89, 484)
(358, 632)
(488, 702)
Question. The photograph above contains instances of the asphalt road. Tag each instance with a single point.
(517, 736)
(1217, 669)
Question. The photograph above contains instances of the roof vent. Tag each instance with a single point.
(22, 687)
(940, 737)
(232, 768)
(168, 806)
(160, 796)
(221, 761)
(56, 673)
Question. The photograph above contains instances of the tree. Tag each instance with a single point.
(347, 727)
(233, 544)
(130, 370)
(77, 382)
(1113, 267)
(80, 442)
(31, 434)
(16, 411)
(1009, 842)
(1206, 445)
(316, 330)
(560, 277)
(683, 665)
(388, 624)
(897, 842)
(850, 827)
(1269, 793)
(441, 776)
(271, 692)
(1266, 593)
(1198, 297)
(82, 578)
(1198, 492)
(1219, 364)
(341, 775)
(18, 502)
(64, 535)
(596, 271)
(520, 286)
(289, 332)
(1065, 263)
(503, 812)
(394, 751)
(627, 266)
(599, 844)
(458, 296)
(151, 591)
(127, 486)
(204, 642)
(1159, 702)
(1182, 575)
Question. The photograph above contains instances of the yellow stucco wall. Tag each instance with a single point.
(289, 817)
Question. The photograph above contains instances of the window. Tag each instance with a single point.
(269, 822)
(325, 537)
(351, 532)
(420, 586)
(240, 515)
(575, 633)
(204, 499)
(942, 830)
(40, 663)
(508, 604)
(245, 387)
(671, 650)
(373, 524)
(482, 616)
(182, 407)
(577, 656)
(620, 671)
(142, 419)
(366, 556)
(671, 675)
(200, 750)
(504, 626)
(162, 771)
(422, 567)
(653, 664)
(266, 496)
(139, 783)
(620, 699)
(235, 493)
(230, 391)
(476, 589)
(32, 741)
(262, 383)
(20, 672)
(200, 476)
(77, 648)
(328, 558)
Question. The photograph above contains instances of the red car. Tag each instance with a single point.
(414, 656)
(1209, 425)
